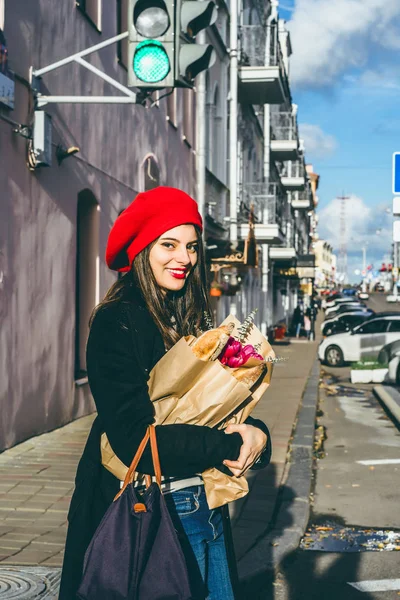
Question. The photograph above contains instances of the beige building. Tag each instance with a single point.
(325, 262)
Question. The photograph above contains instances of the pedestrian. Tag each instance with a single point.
(307, 323)
(298, 319)
(156, 242)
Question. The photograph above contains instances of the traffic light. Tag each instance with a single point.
(151, 27)
(190, 58)
(162, 49)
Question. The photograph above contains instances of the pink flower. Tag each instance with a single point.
(232, 348)
(235, 355)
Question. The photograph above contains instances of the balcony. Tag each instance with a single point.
(284, 136)
(293, 176)
(302, 200)
(269, 202)
(287, 251)
(262, 74)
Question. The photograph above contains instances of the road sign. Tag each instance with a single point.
(395, 271)
(396, 173)
(396, 231)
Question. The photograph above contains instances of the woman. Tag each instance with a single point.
(157, 242)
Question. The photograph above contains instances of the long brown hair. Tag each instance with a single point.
(188, 306)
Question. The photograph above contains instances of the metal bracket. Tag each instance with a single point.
(129, 97)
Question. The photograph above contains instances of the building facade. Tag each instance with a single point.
(274, 183)
(325, 262)
(54, 220)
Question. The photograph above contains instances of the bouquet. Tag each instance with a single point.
(215, 379)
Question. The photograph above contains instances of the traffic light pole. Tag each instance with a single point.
(41, 100)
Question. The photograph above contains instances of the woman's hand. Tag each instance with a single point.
(254, 442)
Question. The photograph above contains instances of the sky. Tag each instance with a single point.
(345, 78)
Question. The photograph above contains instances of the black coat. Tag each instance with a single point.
(124, 345)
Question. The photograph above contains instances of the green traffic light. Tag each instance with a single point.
(151, 62)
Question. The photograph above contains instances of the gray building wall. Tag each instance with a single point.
(38, 210)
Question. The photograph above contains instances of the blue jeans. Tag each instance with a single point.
(200, 531)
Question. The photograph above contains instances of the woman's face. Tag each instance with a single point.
(173, 256)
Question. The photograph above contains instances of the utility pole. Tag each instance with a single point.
(201, 135)
(342, 266)
(233, 121)
(364, 269)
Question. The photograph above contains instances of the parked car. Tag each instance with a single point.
(335, 310)
(379, 287)
(338, 301)
(393, 298)
(366, 339)
(345, 322)
(363, 295)
(349, 291)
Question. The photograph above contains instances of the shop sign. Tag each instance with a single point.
(290, 273)
(306, 272)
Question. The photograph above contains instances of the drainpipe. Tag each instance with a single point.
(201, 134)
(233, 121)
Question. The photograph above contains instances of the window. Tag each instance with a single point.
(374, 327)
(353, 321)
(87, 273)
(394, 326)
(122, 26)
(92, 10)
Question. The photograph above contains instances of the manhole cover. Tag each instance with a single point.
(28, 583)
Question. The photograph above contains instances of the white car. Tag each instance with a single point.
(338, 301)
(392, 298)
(365, 340)
(335, 310)
(363, 295)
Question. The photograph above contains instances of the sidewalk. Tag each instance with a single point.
(36, 477)
(254, 516)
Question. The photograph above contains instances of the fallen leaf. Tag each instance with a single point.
(355, 485)
(372, 468)
(323, 528)
(328, 485)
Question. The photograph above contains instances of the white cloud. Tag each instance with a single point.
(331, 37)
(370, 226)
(317, 143)
(365, 226)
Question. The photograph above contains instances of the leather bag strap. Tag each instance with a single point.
(154, 454)
(149, 435)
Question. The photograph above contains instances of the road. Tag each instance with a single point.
(356, 496)
(378, 303)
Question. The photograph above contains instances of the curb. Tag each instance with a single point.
(389, 397)
(293, 504)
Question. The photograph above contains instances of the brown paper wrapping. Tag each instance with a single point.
(185, 389)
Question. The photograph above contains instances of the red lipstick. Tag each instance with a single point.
(178, 273)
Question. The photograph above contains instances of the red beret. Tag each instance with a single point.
(150, 215)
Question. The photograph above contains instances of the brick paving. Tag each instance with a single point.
(37, 476)
(36, 484)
